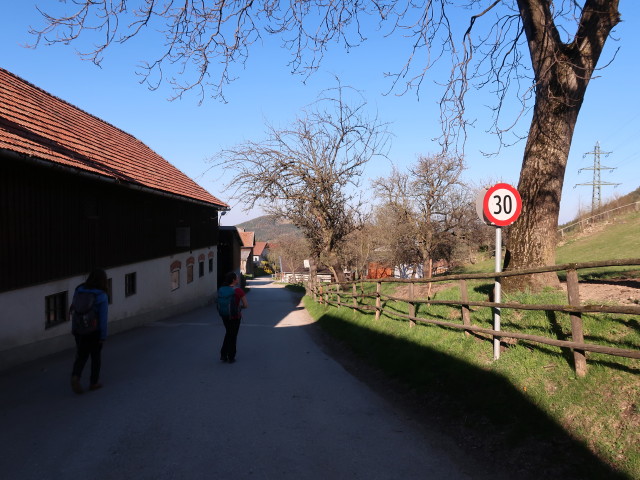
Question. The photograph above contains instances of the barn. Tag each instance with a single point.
(77, 193)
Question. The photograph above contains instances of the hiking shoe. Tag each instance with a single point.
(75, 385)
(231, 360)
(95, 386)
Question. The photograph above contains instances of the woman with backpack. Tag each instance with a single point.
(231, 301)
(89, 315)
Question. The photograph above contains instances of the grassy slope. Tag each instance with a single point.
(530, 399)
(615, 240)
(610, 241)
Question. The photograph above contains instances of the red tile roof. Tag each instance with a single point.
(247, 238)
(37, 124)
(259, 248)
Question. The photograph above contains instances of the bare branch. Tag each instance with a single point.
(309, 173)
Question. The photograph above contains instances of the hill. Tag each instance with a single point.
(612, 207)
(269, 227)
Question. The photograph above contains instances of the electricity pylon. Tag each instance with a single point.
(596, 198)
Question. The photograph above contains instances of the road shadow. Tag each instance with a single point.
(521, 441)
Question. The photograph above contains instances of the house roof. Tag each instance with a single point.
(247, 239)
(41, 126)
(259, 248)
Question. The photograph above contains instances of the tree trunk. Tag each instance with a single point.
(532, 241)
(562, 74)
(337, 272)
(313, 272)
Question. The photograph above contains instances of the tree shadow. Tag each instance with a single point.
(556, 328)
(449, 395)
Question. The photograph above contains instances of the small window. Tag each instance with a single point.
(109, 290)
(201, 269)
(55, 309)
(175, 279)
(130, 284)
(189, 273)
(183, 237)
(210, 265)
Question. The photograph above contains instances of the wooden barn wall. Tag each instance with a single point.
(55, 224)
(228, 253)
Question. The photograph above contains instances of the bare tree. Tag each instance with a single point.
(357, 250)
(424, 209)
(545, 51)
(310, 173)
(289, 251)
(395, 238)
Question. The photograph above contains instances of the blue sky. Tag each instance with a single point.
(188, 135)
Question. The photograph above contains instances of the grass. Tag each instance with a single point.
(295, 287)
(530, 399)
(615, 241)
(612, 241)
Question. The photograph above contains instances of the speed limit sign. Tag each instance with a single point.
(502, 204)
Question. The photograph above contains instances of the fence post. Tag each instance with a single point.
(464, 296)
(339, 297)
(378, 301)
(320, 294)
(577, 334)
(412, 306)
(355, 298)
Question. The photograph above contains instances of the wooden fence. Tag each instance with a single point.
(334, 293)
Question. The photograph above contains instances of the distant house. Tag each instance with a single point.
(77, 193)
(300, 273)
(246, 252)
(377, 270)
(260, 253)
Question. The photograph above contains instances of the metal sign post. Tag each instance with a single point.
(501, 206)
(497, 294)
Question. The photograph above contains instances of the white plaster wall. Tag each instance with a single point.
(22, 312)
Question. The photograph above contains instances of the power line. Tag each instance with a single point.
(596, 197)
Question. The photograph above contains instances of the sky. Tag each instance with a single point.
(188, 134)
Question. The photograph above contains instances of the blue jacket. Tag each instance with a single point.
(101, 306)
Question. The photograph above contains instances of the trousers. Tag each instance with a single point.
(88, 346)
(228, 350)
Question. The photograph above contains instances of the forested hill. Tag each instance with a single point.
(268, 228)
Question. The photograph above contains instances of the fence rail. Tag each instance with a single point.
(587, 220)
(328, 292)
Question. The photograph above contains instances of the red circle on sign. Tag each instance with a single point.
(502, 204)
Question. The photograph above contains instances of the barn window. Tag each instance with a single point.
(175, 279)
(130, 284)
(189, 273)
(55, 309)
(183, 237)
(110, 290)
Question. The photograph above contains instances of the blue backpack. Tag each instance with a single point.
(84, 318)
(227, 305)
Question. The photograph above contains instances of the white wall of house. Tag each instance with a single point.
(289, 277)
(23, 335)
(408, 271)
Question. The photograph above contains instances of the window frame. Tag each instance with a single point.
(56, 305)
(130, 284)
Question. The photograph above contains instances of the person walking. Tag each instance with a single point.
(231, 301)
(90, 336)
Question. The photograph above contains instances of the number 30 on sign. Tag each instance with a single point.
(502, 204)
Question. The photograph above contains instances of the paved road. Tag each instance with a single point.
(171, 410)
